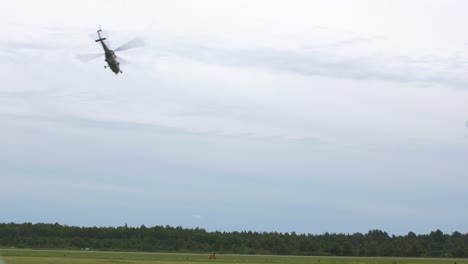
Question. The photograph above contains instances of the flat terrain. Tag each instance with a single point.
(85, 257)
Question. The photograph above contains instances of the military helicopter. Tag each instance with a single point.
(113, 62)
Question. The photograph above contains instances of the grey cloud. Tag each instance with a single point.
(17, 45)
(74, 121)
(26, 94)
(137, 169)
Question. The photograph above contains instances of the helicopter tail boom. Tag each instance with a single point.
(99, 34)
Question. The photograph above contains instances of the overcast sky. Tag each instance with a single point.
(305, 116)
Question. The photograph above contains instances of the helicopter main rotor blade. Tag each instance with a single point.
(88, 57)
(134, 43)
(123, 61)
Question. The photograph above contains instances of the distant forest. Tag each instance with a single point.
(178, 239)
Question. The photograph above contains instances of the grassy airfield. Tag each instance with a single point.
(85, 257)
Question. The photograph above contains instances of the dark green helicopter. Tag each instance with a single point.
(113, 62)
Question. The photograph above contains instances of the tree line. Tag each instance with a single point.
(198, 240)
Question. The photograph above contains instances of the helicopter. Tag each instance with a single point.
(113, 62)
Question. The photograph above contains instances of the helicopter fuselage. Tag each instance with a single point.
(111, 59)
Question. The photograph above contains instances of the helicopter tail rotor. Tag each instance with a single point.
(99, 34)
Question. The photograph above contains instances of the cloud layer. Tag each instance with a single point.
(237, 116)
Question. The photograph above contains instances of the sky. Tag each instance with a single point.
(288, 116)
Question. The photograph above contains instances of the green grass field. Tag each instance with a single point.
(85, 257)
